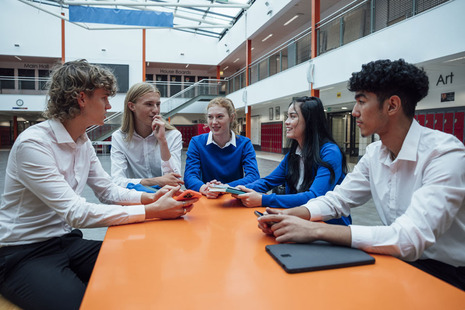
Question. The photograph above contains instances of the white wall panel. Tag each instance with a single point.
(37, 33)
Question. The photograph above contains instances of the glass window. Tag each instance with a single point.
(26, 78)
(291, 55)
(253, 74)
(7, 78)
(161, 83)
(284, 60)
(43, 77)
(275, 64)
(303, 48)
(263, 69)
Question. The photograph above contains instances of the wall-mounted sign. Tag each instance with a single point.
(445, 97)
(36, 66)
(338, 95)
(19, 102)
(444, 80)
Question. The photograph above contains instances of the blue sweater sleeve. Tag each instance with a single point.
(275, 178)
(249, 164)
(192, 171)
(329, 153)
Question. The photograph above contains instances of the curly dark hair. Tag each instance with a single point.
(70, 79)
(387, 78)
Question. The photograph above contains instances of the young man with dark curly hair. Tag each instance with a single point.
(415, 176)
(44, 261)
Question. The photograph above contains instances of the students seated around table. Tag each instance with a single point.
(313, 166)
(220, 156)
(44, 261)
(146, 150)
(415, 175)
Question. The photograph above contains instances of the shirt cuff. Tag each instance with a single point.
(315, 211)
(166, 167)
(135, 196)
(136, 213)
(361, 236)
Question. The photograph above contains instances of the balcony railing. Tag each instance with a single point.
(23, 85)
(352, 22)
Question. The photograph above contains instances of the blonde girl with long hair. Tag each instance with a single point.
(146, 150)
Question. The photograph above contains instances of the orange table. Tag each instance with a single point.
(214, 258)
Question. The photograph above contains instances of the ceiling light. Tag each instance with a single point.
(236, 60)
(455, 59)
(291, 20)
(225, 68)
(17, 57)
(187, 65)
(344, 108)
(267, 37)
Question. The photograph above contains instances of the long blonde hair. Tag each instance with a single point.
(229, 106)
(135, 92)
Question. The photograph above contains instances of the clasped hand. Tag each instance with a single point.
(288, 228)
(164, 206)
(250, 199)
(204, 189)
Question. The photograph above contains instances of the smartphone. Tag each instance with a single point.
(187, 195)
(236, 191)
(258, 213)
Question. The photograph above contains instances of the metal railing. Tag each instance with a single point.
(23, 85)
(203, 90)
(356, 20)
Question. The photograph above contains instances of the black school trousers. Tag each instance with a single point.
(48, 275)
(450, 274)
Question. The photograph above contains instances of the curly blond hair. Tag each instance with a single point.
(68, 80)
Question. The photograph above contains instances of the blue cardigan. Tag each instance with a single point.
(233, 165)
(329, 153)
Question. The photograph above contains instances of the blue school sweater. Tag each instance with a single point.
(329, 153)
(233, 165)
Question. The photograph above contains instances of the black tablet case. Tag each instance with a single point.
(297, 257)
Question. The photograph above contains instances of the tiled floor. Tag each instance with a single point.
(363, 215)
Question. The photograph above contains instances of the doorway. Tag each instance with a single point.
(345, 132)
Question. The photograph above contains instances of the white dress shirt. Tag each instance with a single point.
(140, 158)
(45, 174)
(419, 197)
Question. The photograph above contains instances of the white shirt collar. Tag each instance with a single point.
(231, 141)
(62, 135)
(408, 151)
